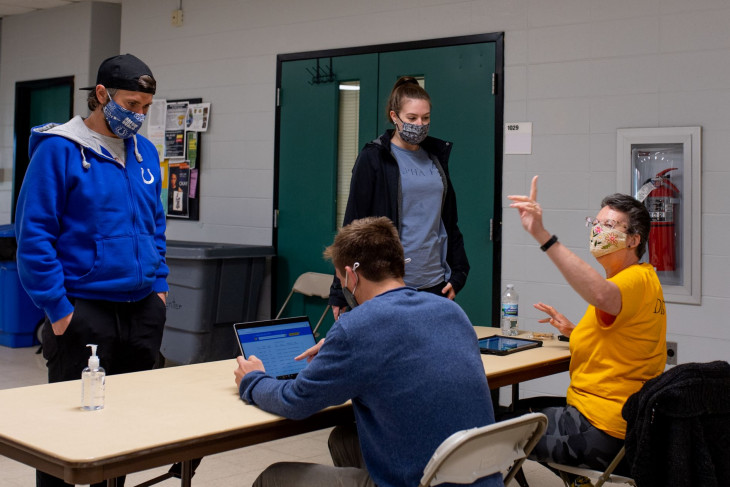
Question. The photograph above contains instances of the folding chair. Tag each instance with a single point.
(600, 477)
(471, 454)
(311, 284)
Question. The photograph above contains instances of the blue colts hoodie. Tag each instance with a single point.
(88, 226)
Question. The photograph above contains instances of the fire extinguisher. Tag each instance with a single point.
(663, 205)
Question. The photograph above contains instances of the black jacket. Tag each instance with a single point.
(678, 427)
(375, 190)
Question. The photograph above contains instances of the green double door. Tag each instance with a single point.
(459, 81)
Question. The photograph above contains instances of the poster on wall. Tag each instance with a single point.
(197, 117)
(192, 148)
(156, 117)
(164, 174)
(178, 188)
(175, 129)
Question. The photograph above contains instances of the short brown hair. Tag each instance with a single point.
(147, 84)
(374, 243)
(406, 87)
(639, 219)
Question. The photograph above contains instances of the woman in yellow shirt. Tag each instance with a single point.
(620, 342)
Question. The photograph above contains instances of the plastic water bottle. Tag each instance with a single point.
(509, 311)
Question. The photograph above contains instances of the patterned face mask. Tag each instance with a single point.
(606, 241)
(412, 133)
(124, 123)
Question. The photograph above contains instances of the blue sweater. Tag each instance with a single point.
(411, 365)
(88, 226)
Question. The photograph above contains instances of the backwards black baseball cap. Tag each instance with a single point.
(122, 72)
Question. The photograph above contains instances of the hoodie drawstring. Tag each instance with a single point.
(84, 162)
(136, 152)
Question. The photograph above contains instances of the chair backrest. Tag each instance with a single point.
(313, 284)
(310, 284)
(471, 454)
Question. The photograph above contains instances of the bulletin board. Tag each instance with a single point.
(177, 134)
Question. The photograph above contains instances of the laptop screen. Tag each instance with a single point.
(276, 343)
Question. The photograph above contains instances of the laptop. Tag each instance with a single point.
(276, 343)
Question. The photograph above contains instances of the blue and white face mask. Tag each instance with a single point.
(123, 123)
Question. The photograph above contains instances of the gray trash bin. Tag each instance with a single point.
(212, 286)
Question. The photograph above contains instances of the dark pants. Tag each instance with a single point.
(570, 439)
(435, 289)
(349, 467)
(128, 336)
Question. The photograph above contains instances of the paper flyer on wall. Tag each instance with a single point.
(197, 117)
(165, 178)
(193, 183)
(156, 126)
(178, 190)
(192, 148)
(175, 129)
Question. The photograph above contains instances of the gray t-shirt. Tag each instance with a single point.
(113, 145)
(422, 231)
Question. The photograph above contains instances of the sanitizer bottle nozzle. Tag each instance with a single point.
(94, 359)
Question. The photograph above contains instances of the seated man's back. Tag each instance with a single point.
(408, 360)
(411, 365)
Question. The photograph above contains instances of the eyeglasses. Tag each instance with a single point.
(608, 224)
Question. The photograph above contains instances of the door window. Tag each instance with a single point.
(347, 144)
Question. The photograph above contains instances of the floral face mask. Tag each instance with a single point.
(606, 240)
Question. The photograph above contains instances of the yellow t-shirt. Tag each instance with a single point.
(610, 362)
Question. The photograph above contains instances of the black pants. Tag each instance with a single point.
(128, 335)
(435, 289)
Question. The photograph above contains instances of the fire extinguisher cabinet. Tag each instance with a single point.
(661, 168)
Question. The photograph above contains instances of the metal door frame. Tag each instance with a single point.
(498, 39)
(23, 92)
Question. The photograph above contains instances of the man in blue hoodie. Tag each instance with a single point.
(91, 231)
(409, 361)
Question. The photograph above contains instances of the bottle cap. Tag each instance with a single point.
(93, 360)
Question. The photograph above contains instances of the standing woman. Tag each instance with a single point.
(404, 175)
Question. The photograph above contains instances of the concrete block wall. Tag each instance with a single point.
(48, 44)
(577, 69)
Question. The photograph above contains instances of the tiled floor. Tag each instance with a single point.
(23, 367)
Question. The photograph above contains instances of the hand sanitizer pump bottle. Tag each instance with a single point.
(92, 383)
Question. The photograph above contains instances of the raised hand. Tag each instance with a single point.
(558, 320)
(529, 209)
